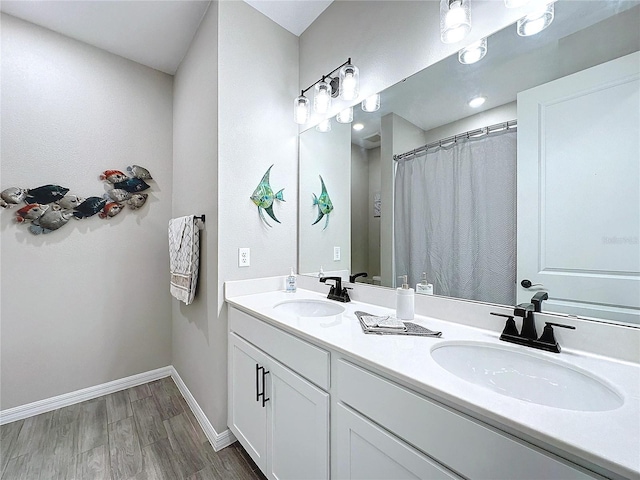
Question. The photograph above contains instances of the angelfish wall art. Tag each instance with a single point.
(48, 208)
(325, 207)
(264, 197)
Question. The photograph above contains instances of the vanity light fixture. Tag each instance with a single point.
(301, 109)
(349, 82)
(473, 53)
(455, 20)
(515, 3)
(476, 102)
(345, 116)
(536, 21)
(322, 97)
(372, 103)
(358, 126)
(324, 126)
(346, 83)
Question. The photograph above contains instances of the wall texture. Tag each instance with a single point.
(86, 304)
(232, 122)
(198, 338)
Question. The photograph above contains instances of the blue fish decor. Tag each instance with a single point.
(48, 208)
(264, 197)
(325, 207)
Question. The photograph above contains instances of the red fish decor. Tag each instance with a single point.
(50, 207)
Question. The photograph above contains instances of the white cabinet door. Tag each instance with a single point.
(247, 416)
(298, 427)
(367, 452)
(578, 191)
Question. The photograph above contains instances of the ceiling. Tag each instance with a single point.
(155, 33)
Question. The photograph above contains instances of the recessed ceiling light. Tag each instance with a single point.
(358, 126)
(475, 102)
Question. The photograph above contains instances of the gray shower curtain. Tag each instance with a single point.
(455, 218)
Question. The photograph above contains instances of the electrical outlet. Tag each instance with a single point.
(244, 257)
(336, 254)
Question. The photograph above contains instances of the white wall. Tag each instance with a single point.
(373, 158)
(86, 304)
(198, 337)
(328, 155)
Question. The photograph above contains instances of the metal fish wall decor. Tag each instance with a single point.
(264, 197)
(50, 207)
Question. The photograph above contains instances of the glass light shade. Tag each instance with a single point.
(324, 126)
(301, 110)
(473, 53)
(349, 82)
(322, 97)
(536, 21)
(515, 3)
(455, 20)
(372, 103)
(345, 116)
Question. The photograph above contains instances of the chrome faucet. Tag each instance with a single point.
(337, 292)
(528, 335)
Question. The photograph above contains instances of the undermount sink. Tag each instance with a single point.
(526, 376)
(309, 308)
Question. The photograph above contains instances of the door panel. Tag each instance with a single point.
(579, 191)
(247, 417)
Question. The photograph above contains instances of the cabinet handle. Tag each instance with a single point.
(258, 382)
(264, 386)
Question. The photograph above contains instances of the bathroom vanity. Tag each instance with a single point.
(312, 396)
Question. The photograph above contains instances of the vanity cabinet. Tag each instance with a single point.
(279, 417)
(281, 388)
(462, 444)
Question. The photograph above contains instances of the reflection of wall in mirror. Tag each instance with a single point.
(328, 155)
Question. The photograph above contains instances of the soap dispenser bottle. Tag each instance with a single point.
(404, 301)
(424, 287)
(291, 282)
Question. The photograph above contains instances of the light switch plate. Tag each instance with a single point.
(336, 254)
(244, 257)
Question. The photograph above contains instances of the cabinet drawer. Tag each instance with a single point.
(466, 446)
(308, 360)
(366, 451)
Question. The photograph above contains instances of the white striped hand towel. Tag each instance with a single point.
(184, 257)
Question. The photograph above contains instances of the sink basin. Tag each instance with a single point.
(309, 308)
(526, 376)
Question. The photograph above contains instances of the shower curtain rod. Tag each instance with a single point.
(478, 132)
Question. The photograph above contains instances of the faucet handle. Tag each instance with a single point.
(510, 325)
(548, 336)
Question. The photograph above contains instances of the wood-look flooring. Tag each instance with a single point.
(143, 433)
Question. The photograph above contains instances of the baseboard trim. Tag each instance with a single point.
(218, 440)
(42, 406)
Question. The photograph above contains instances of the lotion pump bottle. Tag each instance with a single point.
(424, 287)
(404, 301)
(291, 282)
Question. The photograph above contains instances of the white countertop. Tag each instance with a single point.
(609, 439)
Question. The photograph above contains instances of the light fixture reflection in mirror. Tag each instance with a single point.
(473, 53)
(324, 126)
(476, 102)
(358, 126)
(455, 20)
(372, 103)
(345, 116)
(536, 22)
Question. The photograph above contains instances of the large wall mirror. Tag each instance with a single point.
(537, 189)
